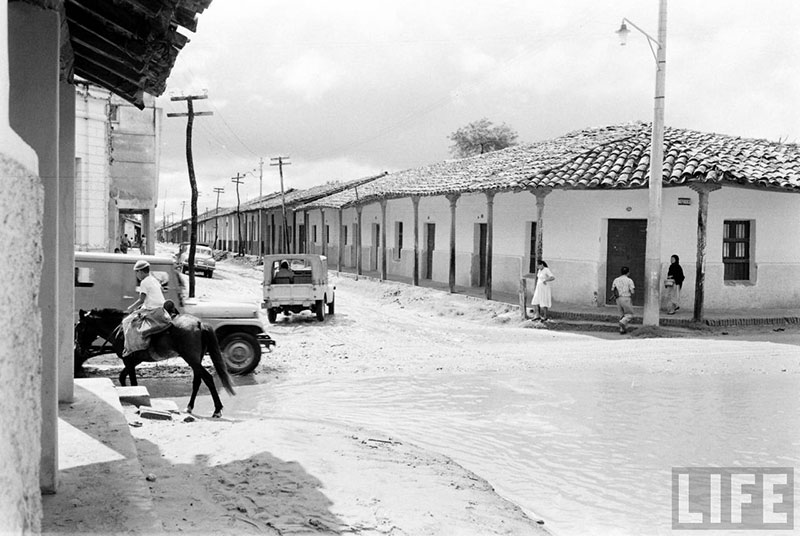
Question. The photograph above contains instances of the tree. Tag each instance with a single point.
(481, 137)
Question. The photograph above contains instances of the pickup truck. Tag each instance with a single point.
(297, 282)
(107, 281)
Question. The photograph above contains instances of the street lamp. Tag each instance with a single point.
(653, 247)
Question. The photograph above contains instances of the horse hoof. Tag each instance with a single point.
(189, 409)
(217, 415)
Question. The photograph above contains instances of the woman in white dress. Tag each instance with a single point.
(542, 296)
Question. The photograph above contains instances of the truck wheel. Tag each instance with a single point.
(272, 315)
(241, 352)
(319, 306)
(330, 307)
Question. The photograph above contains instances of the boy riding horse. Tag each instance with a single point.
(147, 313)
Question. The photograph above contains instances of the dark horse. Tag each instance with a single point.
(187, 337)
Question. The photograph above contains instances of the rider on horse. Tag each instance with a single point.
(148, 316)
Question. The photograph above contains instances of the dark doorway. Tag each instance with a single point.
(376, 247)
(626, 247)
(301, 234)
(430, 246)
(482, 254)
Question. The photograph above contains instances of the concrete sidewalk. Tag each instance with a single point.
(100, 479)
(607, 313)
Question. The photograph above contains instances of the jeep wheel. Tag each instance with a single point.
(272, 315)
(330, 307)
(242, 352)
(319, 307)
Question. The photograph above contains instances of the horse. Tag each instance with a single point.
(187, 337)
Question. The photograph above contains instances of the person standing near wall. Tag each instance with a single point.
(542, 295)
(674, 283)
(623, 289)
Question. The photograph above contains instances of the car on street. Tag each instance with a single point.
(108, 281)
(297, 282)
(203, 259)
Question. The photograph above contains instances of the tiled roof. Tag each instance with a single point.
(606, 157)
(301, 199)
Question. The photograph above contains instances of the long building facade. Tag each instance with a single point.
(579, 201)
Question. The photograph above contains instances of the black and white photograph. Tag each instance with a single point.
(399, 268)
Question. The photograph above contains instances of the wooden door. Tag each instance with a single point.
(482, 228)
(430, 246)
(626, 247)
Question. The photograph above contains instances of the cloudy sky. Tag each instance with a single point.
(351, 88)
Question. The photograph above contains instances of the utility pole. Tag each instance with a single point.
(216, 216)
(260, 209)
(183, 207)
(190, 114)
(279, 161)
(238, 180)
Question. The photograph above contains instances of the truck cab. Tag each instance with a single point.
(107, 281)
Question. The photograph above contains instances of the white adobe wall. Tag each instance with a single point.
(92, 170)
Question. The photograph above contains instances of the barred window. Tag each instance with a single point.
(736, 250)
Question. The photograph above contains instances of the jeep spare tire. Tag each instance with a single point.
(242, 352)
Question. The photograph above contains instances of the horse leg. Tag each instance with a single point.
(195, 387)
(209, 381)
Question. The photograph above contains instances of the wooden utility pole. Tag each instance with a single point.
(238, 180)
(260, 209)
(190, 114)
(279, 161)
(183, 209)
(216, 216)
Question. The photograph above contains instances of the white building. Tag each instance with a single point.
(474, 222)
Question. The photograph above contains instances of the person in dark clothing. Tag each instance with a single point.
(674, 283)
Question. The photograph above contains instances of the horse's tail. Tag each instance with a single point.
(210, 342)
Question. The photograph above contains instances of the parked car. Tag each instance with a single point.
(297, 282)
(107, 281)
(203, 259)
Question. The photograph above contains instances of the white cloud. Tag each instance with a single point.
(311, 75)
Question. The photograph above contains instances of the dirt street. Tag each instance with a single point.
(248, 476)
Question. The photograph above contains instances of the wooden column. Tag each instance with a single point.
(322, 230)
(341, 241)
(453, 198)
(415, 202)
(540, 194)
(702, 189)
(358, 240)
(383, 239)
(489, 242)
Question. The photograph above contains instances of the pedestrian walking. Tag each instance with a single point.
(674, 283)
(124, 244)
(542, 296)
(623, 289)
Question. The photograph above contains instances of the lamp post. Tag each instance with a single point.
(652, 280)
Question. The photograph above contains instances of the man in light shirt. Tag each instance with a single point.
(147, 313)
(623, 289)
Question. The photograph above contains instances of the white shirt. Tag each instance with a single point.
(151, 288)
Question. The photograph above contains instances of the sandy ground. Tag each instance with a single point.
(271, 475)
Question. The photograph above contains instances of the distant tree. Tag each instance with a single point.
(480, 137)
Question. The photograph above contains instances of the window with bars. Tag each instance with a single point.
(736, 250)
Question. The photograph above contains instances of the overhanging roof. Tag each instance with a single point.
(126, 46)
